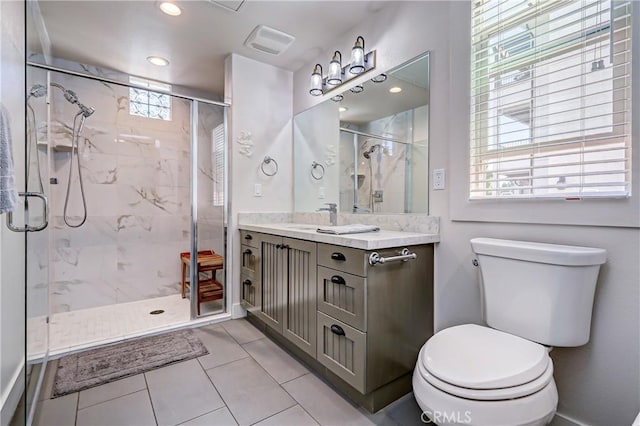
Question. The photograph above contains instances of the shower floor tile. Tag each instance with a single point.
(85, 328)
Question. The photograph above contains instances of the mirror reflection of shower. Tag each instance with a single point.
(37, 91)
(368, 154)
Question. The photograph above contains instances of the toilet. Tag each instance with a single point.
(535, 296)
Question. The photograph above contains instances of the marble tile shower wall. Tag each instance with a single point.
(136, 180)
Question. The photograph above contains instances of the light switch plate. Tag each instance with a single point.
(257, 190)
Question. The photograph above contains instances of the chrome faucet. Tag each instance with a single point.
(333, 212)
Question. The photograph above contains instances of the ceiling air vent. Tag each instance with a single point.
(269, 40)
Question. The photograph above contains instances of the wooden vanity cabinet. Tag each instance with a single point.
(360, 326)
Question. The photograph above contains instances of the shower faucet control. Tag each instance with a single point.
(333, 212)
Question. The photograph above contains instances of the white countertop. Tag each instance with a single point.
(366, 241)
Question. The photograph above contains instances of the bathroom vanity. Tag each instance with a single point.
(356, 308)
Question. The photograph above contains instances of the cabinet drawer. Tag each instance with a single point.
(341, 296)
(341, 349)
(249, 238)
(249, 293)
(343, 259)
(250, 260)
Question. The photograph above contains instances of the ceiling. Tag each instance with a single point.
(119, 35)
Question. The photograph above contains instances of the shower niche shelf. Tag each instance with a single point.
(58, 146)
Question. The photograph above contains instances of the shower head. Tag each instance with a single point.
(71, 96)
(37, 91)
(86, 111)
(367, 153)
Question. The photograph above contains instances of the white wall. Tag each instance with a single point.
(599, 382)
(12, 281)
(261, 103)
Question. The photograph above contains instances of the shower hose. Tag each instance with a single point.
(75, 136)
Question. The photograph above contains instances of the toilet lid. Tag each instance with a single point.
(477, 357)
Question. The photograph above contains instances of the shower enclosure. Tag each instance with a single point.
(133, 176)
(383, 163)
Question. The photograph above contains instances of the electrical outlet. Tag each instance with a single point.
(257, 190)
(438, 179)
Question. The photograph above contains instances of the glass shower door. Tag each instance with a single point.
(209, 209)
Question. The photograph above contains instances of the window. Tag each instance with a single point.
(550, 99)
(218, 165)
(149, 103)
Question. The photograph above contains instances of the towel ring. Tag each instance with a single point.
(268, 160)
(314, 166)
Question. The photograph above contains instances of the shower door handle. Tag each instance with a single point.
(27, 227)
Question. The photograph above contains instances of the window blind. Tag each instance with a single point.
(218, 165)
(550, 99)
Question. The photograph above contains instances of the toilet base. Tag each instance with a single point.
(442, 408)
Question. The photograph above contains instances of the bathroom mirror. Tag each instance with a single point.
(368, 153)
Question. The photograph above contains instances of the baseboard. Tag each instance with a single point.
(237, 311)
(11, 397)
(563, 420)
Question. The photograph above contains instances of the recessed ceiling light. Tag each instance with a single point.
(170, 8)
(157, 60)
(395, 89)
(342, 109)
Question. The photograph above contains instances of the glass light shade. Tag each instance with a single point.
(379, 78)
(357, 57)
(316, 81)
(337, 98)
(357, 89)
(335, 70)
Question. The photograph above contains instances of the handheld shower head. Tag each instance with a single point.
(86, 111)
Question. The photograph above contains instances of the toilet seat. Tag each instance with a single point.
(481, 363)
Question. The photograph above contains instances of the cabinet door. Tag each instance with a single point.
(274, 269)
(300, 305)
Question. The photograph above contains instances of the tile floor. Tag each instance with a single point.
(245, 379)
(75, 330)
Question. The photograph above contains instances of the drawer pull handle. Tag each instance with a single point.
(248, 237)
(336, 329)
(247, 251)
(338, 256)
(246, 282)
(337, 279)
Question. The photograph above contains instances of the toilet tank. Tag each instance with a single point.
(541, 292)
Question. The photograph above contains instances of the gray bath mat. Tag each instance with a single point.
(96, 367)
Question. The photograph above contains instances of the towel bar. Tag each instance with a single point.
(405, 254)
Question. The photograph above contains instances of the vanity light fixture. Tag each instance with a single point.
(337, 98)
(170, 9)
(316, 81)
(335, 69)
(395, 89)
(157, 60)
(357, 57)
(338, 75)
(342, 109)
(380, 78)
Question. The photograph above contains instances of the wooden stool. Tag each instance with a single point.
(209, 289)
